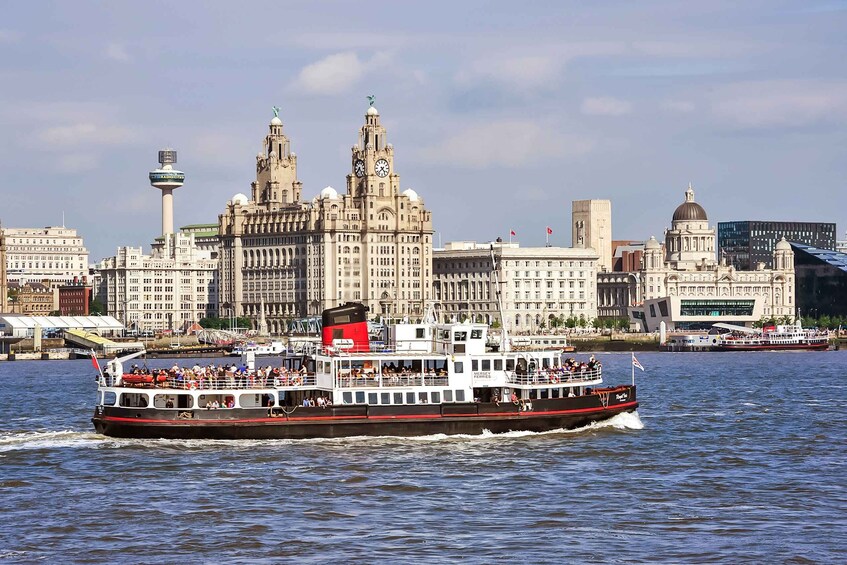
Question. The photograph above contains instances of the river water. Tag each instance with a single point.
(732, 457)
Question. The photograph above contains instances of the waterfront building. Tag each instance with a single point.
(591, 227)
(627, 256)
(206, 238)
(26, 326)
(685, 286)
(31, 299)
(748, 243)
(538, 284)
(173, 287)
(53, 253)
(286, 257)
(73, 299)
(821, 281)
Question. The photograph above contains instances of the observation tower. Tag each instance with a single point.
(166, 179)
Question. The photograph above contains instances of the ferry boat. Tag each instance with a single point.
(274, 348)
(427, 378)
(770, 338)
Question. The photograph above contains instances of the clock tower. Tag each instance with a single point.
(373, 162)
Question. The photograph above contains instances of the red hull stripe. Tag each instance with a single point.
(367, 418)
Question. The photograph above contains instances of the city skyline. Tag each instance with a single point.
(523, 111)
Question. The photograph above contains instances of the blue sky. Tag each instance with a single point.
(501, 113)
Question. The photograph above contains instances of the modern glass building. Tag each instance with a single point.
(745, 243)
(821, 277)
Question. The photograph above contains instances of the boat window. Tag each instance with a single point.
(167, 400)
(372, 398)
(486, 364)
(461, 336)
(544, 393)
(459, 367)
(545, 363)
(448, 395)
(385, 398)
(422, 398)
(474, 365)
(360, 397)
(251, 400)
(436, 397)
(510, 364)
(476, 334)
(109, 398)
(347, 398)
(555, 393)
(498, 364)
(419, 333)
(133, 400)
(398, 398)
(410, 398)
(460, 395)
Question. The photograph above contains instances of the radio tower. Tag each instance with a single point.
(166, 179)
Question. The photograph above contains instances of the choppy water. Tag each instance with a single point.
(731, 458)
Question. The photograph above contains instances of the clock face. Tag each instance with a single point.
(359, 168)
(381, 168)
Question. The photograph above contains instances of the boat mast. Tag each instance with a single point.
(504, 334)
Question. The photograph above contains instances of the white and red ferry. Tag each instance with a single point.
(427, 378)
(769, 338)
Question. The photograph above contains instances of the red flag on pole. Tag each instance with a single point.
(549, 231)
(95, 362)
(512, 232)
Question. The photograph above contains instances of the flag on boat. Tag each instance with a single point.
(635, 362)
(95, 362)
(512, 232)
(549, 231)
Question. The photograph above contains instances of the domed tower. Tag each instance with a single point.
(690, 243)
(276, 169)
(166, 179)
(373, 173)
(652, 255)
(783, 256)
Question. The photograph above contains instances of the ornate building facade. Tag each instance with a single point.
(687, 288)
(295, 258)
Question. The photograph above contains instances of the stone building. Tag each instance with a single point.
(37, 254)
(173, 287)
(591, 227)
(295, 257)
(687, 288)
(537, 283)
(32, 299)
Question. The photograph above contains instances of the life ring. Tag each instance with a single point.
(554, 379)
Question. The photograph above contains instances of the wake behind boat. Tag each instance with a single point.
(428, 378)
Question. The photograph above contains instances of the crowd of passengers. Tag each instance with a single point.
(570, 367)
(211, 376)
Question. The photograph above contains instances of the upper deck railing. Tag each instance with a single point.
(547, 377)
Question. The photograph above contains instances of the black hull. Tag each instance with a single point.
(347, 421)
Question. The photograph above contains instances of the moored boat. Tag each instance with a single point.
(428, 378)
(772, 338)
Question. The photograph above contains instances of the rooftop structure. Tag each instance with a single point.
(166, 179)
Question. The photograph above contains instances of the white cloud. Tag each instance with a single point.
(605, 106)
(86, 133)
(784, 103)
(333, 74)
(507, 143)
(116, 52)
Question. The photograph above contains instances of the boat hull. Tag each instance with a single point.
(356, 420)
(773, 347)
